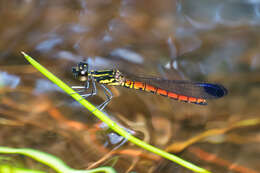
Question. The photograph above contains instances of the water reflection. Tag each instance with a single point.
(43, 86)
(8, 80)
(128, 55)
(49, 44)
(206, 15)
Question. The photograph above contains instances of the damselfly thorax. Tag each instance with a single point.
(185, 91)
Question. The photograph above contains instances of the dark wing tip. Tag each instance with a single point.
(215, 90)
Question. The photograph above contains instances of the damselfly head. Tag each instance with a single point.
(81, 71)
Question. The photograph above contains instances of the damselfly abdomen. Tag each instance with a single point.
(181, 90)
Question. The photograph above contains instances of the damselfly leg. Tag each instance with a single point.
(107, 93)
(109, 96)
(85, 88)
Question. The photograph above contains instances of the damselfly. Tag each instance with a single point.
(181, 90)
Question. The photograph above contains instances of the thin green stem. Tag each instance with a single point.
(51, 161)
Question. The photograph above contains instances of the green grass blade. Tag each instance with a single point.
(11, 169)
(51, 161)
(109, 122)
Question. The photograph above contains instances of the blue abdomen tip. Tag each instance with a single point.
(215, 90)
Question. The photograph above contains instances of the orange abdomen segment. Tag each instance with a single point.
(174, 96)
(155, 90)
(150, 88)
(139, 85)
(162, 92)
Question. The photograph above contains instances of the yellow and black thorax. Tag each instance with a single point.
(109, 77)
